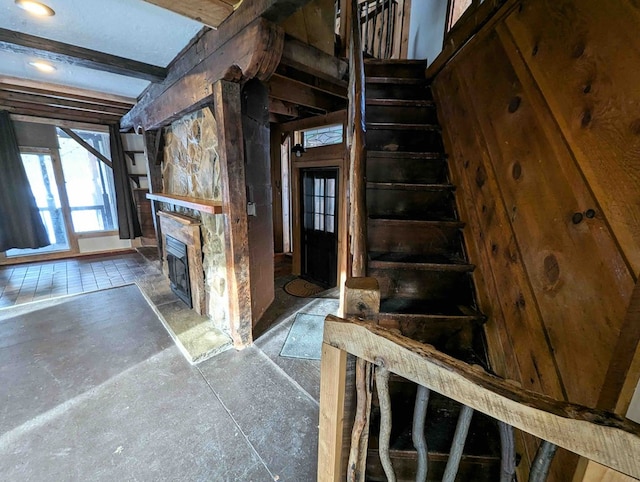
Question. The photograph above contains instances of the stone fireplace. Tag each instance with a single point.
(186, 231)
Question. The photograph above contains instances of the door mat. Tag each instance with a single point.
(305, 337)
(302, 288)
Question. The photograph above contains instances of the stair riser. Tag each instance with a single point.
(403, 140)
(402, 114)
(397, 91)
(405, 469)
(398, 238)
(447, 336)
(410, 204)
(407, 71)
(406, 170)
(436, 286)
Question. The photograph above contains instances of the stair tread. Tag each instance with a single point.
(409, 306)
(411, 186)
(410, 265)
(397, 126)
(452, 224)
(438, 156)
(395, 80)
(396, 61)
(433, 217)
(430, 318)
(401, 102)
(435, 258)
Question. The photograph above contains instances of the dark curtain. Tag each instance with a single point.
(20, 222)
(128, 223)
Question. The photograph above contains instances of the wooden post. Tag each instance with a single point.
(333, 378)
(337, 392)
(227, 111)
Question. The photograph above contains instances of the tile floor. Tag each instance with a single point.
(42, 280)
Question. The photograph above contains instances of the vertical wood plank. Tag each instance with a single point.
(227, 111)
(333, 376)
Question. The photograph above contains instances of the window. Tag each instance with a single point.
(89, 182)
(322, 136)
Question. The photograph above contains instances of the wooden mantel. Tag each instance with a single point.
(202, 205)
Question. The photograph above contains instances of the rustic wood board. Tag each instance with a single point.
(583, 57)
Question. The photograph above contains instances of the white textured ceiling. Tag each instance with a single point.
(132, 29)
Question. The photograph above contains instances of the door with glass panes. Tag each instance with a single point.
(320, 226)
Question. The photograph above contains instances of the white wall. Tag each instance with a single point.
(426, 28)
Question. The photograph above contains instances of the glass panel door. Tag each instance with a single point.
(39, 168)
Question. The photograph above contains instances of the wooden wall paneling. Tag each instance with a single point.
(572, 267)
(581, 55)
(227, 111)
(518, 346)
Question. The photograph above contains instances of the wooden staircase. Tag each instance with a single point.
(415, 249)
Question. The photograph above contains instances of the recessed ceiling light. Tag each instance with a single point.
(35, 8)
(43, 66)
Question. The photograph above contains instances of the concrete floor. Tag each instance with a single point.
(108, 396)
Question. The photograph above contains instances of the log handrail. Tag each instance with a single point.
(600, 436)
(356, 139)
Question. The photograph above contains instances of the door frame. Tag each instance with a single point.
(320, 157)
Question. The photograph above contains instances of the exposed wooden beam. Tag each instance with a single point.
(338, 117)
(211, 41)
(295, 92)
(57, 113)
(309, 59)
(208, 12)
(67, 92)
(254, 52)
(282, 108)
(53, 94)
(70, 54)
(48, 101)
(335, 87)
(87, 146)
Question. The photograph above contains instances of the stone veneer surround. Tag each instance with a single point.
(191, 167)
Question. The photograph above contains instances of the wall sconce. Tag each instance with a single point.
(298, 150)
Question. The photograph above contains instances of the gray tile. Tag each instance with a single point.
(156, 421)
(279, 419)
(54, 350)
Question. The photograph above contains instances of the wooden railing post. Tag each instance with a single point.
(333, 381)
(341, 421)
(362, 299)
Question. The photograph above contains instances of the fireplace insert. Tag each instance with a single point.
(178, 262)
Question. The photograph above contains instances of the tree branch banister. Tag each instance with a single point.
(357, 129)
(600, 436)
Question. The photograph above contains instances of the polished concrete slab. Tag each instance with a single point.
(92, 388)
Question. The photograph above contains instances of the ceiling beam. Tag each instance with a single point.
(57, 113)
(57, 94)
(70, 54)
(45, 100)
(208, 12)
(282, 108)
(66, 91)
(298, 93)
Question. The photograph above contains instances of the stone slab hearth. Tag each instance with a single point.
(194, 334)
